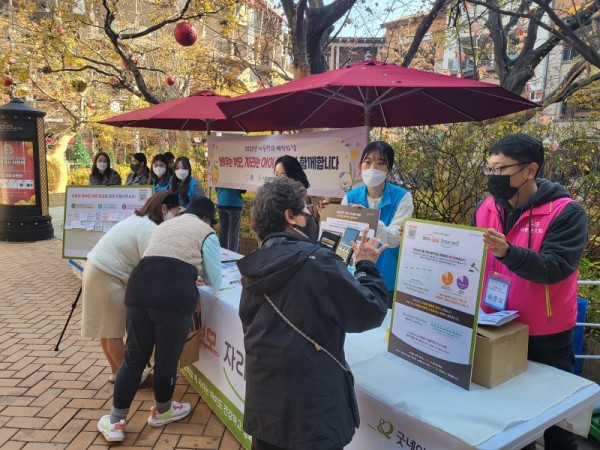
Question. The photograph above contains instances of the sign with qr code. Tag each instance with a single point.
(438, 288)
(90, 211)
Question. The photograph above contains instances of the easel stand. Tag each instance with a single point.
(73, 306)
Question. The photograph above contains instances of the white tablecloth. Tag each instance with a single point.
(472, 416)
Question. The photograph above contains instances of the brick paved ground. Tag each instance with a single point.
(52, 399)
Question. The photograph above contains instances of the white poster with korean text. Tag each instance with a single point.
(90, 211)
(440, 274)
(331, 159)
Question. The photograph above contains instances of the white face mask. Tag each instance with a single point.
(102, 166)
(373, 177)
(168, 216)
(182, 174)
(159, 170)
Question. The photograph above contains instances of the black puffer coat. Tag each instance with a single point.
(297, 397)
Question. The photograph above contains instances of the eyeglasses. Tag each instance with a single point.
(498, 169)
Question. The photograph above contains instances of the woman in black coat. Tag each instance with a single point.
(299, 396)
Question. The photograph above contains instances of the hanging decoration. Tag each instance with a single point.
(22, 91)
(79, 84)
(185, 34)
(134, 60)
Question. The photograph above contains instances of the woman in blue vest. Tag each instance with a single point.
(184, 184)
(394, 203)
(161, 174)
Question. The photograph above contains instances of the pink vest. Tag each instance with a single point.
(546, 308)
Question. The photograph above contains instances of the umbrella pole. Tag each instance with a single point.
(208, 123)
(368, 121)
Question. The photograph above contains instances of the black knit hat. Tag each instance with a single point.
(171, 200)
(202, 207)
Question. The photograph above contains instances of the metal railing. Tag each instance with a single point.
(585, 324)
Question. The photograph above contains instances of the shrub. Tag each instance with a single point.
(79, 176)
(246, 220)
(590, 270)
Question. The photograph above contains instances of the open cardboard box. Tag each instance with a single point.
(500, 353)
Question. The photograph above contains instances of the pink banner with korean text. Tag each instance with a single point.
(331, 159)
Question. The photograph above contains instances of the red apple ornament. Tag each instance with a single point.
(170, 81)
(7, 80)
(10, 61)
(185, 34)
(134, 60)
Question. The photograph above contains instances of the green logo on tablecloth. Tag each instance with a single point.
(231, 416)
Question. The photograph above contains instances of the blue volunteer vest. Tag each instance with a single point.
(392, 195)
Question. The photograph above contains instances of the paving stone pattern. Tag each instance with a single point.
(53, 399)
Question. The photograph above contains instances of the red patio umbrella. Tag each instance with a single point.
(197, 112)
(373, 93)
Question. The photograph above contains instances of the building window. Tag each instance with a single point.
(569, 53)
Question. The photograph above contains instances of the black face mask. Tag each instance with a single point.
(500, 188)
(311, 230)
(134, 167)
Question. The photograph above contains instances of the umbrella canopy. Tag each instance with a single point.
(197, 112)
(373, 93)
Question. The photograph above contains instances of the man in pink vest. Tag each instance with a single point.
(536, 235)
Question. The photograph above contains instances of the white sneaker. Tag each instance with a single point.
(113, 432)
(177, 411)
(145, 374)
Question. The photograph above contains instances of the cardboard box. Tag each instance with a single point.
(191, 350)
(500, 353)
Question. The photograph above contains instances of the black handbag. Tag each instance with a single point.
(353, 405)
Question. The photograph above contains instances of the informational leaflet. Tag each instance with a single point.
(91, 211)
(497, 318)
(342, 224)
(440, 274)
(337, 218)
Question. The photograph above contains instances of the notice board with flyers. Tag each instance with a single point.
(90, 211)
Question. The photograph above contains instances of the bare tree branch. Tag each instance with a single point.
(422, 30)
(568, 26)
(574, 87)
